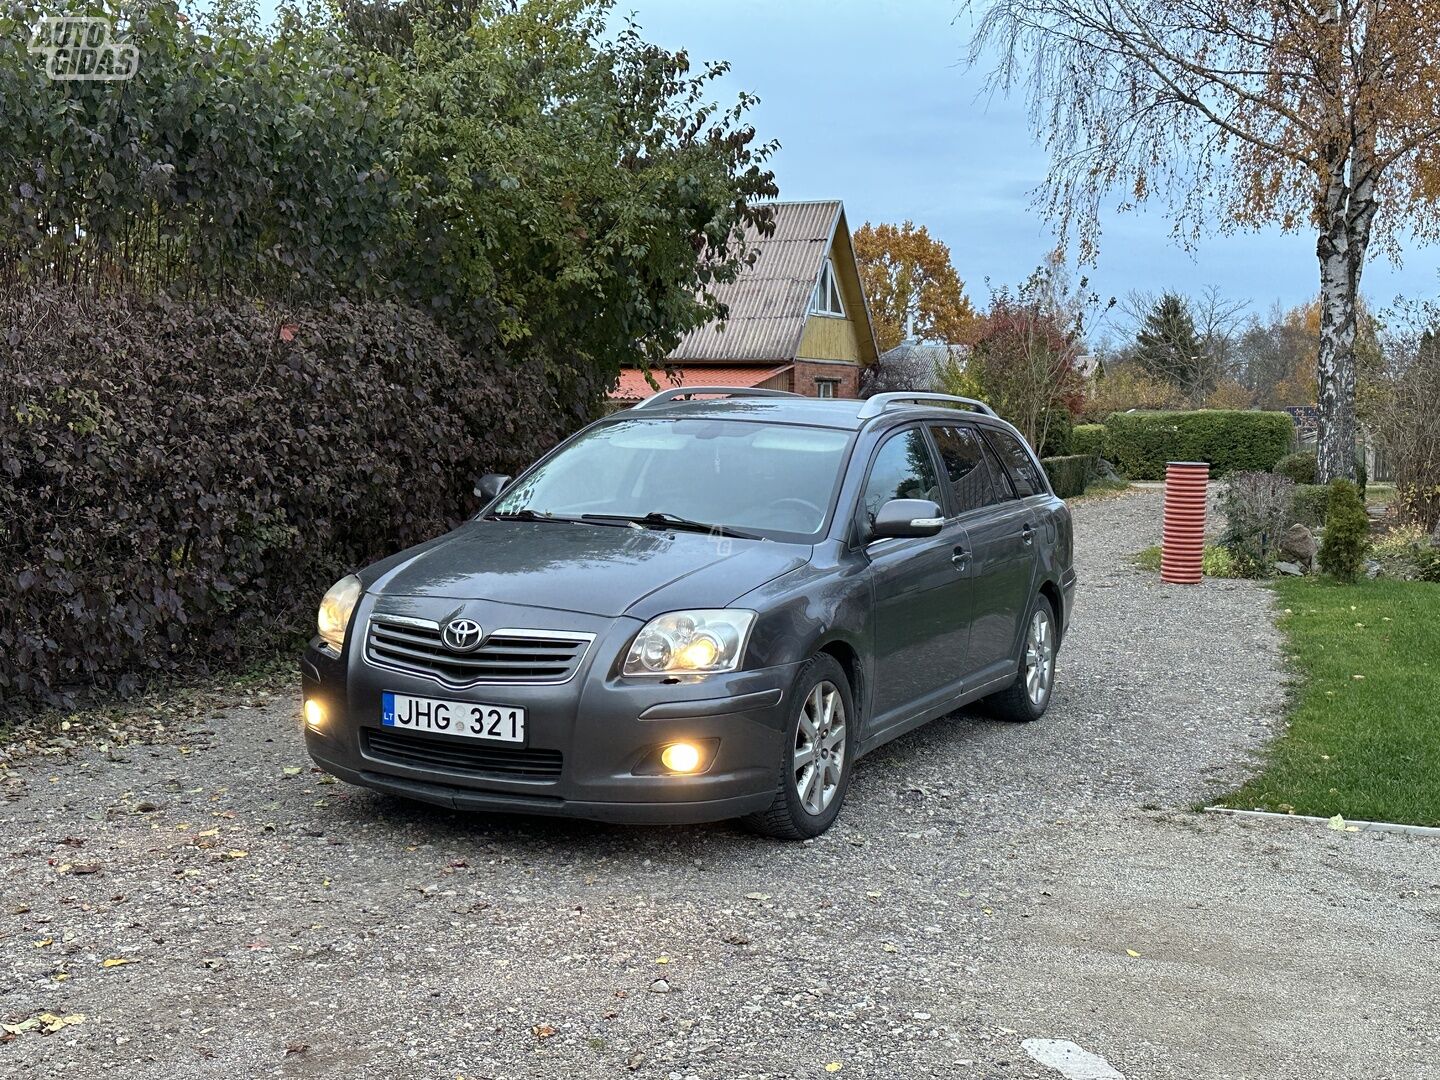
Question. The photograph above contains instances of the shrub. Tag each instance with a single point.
(1059, 440)
(1309, 504)
(1303, 468)
(1299, 466)
(1419, 503)
(1140, 443)
(1347, 532)
(1257, 508)
(1069, 474)
(180, 480)
(1127, 386)
(1088, 439)
(1407, 552)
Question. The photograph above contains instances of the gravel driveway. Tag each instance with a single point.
(986, 884)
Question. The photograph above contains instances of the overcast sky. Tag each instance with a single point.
(872, 104)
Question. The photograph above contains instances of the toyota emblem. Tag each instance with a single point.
(462, 635)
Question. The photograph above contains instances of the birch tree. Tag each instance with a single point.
(1317, 115)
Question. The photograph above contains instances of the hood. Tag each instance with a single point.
(594, 569)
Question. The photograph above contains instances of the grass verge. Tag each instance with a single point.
(1364, 732)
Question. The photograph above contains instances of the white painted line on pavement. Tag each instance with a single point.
(1069, 1060)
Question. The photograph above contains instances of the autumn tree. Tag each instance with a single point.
(1026, 346)
(1309, 114)
(911, 285)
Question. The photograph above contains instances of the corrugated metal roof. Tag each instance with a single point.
(633, 386)
(768, 302)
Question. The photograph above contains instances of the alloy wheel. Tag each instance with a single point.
(1039, 658)
(819, 761)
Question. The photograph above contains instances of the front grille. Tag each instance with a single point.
(507, 656)
(454, 756)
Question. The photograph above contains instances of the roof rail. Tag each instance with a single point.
(664, 397)
(880, 402)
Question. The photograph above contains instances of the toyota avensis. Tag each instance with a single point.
(702, 609)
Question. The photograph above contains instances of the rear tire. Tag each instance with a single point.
(815, 756)
(1028, 697)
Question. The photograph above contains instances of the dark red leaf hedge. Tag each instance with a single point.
(179, 483)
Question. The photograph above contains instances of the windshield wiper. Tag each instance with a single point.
(526, 514)
(673, 521)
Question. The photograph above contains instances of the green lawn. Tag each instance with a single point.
(1364, 734)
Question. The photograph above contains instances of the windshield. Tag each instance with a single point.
(762, 478)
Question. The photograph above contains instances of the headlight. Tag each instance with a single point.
(690, 642)
(336, 609)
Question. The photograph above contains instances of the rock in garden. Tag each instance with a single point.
(1299, 543)
(1290, 568)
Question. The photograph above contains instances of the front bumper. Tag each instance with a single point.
(600, 727)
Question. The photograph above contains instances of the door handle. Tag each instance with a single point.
(960, 557)
(1028, 534)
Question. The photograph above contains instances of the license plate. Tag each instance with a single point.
(469, 719)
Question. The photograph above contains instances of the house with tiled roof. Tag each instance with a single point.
(796, 319)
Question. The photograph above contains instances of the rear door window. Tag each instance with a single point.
(967, 474)
(1018, 464)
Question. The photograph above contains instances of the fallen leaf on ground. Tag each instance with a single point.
(834, 1066)
(49, 1023)
(118, 961)
(236, 853)
(1132, 953)
(542, 1031)
(290, 770)
(757, 896)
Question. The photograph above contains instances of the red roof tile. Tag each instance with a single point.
(633, 386)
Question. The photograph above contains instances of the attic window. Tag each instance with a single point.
(825, 300)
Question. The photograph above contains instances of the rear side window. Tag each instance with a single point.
(903, 469)
(1018, 463)
(963, 457)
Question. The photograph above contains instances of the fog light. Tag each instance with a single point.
(680, 757)
(314, 713)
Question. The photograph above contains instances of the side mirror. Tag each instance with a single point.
(491, 485)
(901, 518)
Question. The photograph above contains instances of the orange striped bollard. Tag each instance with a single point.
(1183, 553)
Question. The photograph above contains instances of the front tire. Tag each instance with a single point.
(1029, 696)
(815, 758)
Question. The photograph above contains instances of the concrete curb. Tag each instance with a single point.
(1350, 826)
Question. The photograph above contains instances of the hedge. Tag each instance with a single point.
(1089, 439)
(1140, 443)
(1070, 474)
(182, 482)
(1303, 467)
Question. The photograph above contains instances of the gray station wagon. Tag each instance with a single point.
(702, 609)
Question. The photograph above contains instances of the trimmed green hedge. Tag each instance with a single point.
(1140, 443)
(1069, 474)
(1088, 439)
